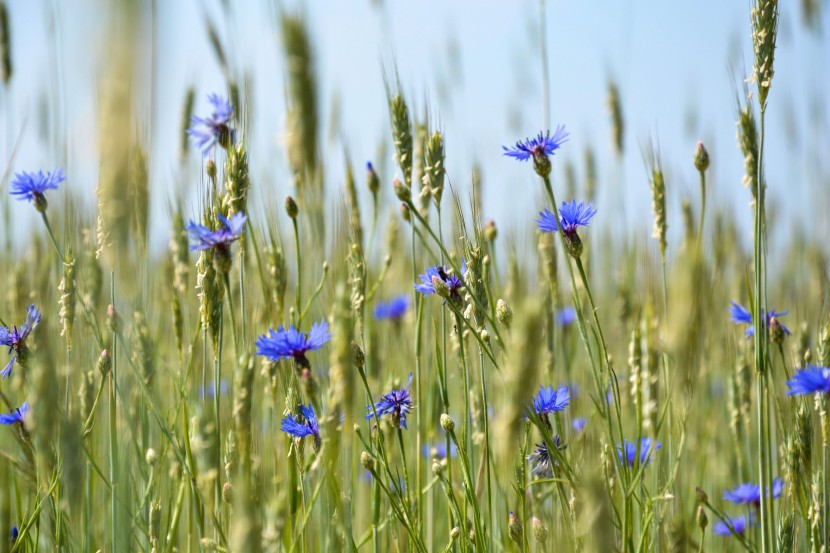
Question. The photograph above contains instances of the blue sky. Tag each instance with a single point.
(477, 65)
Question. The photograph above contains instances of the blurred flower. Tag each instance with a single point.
(438, 450)
(571, 216)
(16, 415)
(741, 315)
(396, 403)
(203, 238)
(810, 380)
(629, 452)
(579, 424)
(750, 494)
(224, 388)
(208, 131)
(566, 316)
(548, 400)
(393, 309)
(542, 145)
(739, 523)
(15, 339)
(32, 186)
(14, 534)
(290, 343)
(541, 461)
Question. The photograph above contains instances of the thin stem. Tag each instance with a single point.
(52, 235)
(113, 427)
(299, 291)
(227, 280)
(702, 208)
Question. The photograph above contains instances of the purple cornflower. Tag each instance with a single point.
(739, 523)
(813, 379)
(291, 343)
(394, 309)
(741, 315)
(542, 146)
(438, 451)
(303, 426)
(33, 186)
(629, 452)
(208, 131)
(396, 403)
(16, 415)
(548, 401)
(571, 216)
(541, 460)
(15, 338)
(750, 494)
(449, 284)
(204, 238)
(566, 316)
(579, 424)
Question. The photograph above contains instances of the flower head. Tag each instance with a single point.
(204, 238)
(739, 523)
(450, 283)
(16, 415)
(393, 309)
(579, 424)
(208, 131)
(571, 216)
(810, 380)
(32, 186)
(541, 461)
(301, 427)
(750, 494)
(549, 400)
(15, 339)
(741, 315)
(438, 451)
(291, 343)
(542, 146)
(629, 453)
(396, 403)
(566, 316)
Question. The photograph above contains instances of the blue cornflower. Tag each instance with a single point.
(810, 380)
(579, 424)
(547, 400)
(541, 460)
(208, 131)
(291, 343)
(632, 452)
(571, 216)
(15, 339)
(396, 403)
(438, 274)
(750, 494)
(741, 315)
(32, 186)
(542, 146)
(301, 427)
(224, 388)
(739, 523)
(393, 309)
(204, 238)
(16, 415)
(566, 316)
(438, 451)
(14, 534)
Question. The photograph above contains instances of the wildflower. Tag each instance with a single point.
(541, 460)
(539, 149)
(629, 453)
(290, 343)
(514, 526)
(33, 186)
(396, 403)
(549, 401)
(579, 424)
(750, 494)
(204, 238)
(436, 280)
(372, 179)
(15, 338)
(224, 388)
(14, 534)
(811, 380)
(16, 415)
(740, 524)
(208, 131)
(438, 451)
(571, 217)
(393, 309)
(303, 426)
(741, 315)
(566, 316)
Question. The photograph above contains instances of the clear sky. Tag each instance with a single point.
(477, 65)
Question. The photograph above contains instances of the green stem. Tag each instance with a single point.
(113, 428)
(299, 290)
(227, 280)
(702, 209)
(52, 236)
